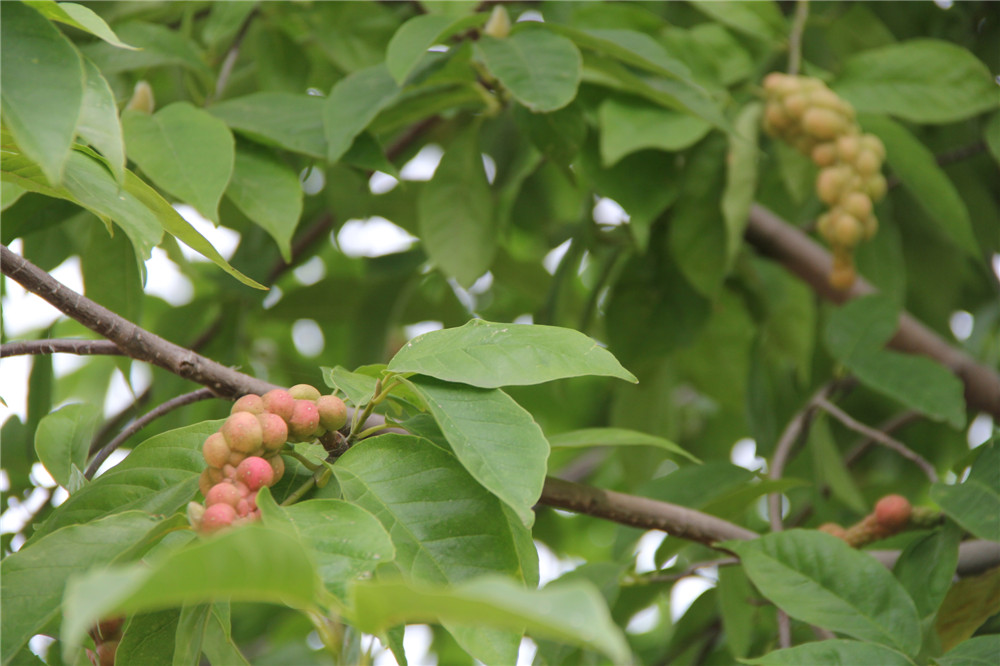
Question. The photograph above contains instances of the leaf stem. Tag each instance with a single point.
(795, 36)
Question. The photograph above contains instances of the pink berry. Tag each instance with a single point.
(223, 493)
(332, 412)
(280, 402)
(216, 517)
(249, 403)
(243, 432)
(893, 512)
(304, 422)
(255, 473)
(215, 450)
(274, 430)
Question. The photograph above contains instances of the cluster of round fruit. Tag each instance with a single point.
(106, 634)
(892, 514)
(806, 114)
(242, 455)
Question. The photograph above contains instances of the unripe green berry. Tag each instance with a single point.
(332, 412)
(304, 392)
(280, 402)
(795, 105)
(857, 204)
(824, 154)
(215, 450)
(277, 464)
(848, 147)
(867, 163)
(872, 143)
(823, 124)
(876, 186)
(845, 230)
(209, 477)
(831, 182)
(242, 432)
(195, 512)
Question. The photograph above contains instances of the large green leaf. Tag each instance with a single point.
(63, 439)
(495, 439)
(975, 503)
(184, 150)
(157, 45)
(346, 541)
(977, 651)
(628, 126)
(819, 579)
(921, 80)
(631, 47)
(420, 33)
(762, 20)
(43, 87)
(490, 355)
(540, 69)
(80, 17)
(289, 121)
(353, 103)
(835, 651)
(445, 526)
(615, 437)
(269, 193)
(919, 172)
(249, 563)
(741, 177)
(926, 568)
(573, 613)
(149, 638)
(455, 212)
(159, 476)
(99, 124)
(855, 333)
(34, 577)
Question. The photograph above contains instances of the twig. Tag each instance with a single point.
(61, 346)
(795, 36)
(142, 421)
(803, 257)
(690, 570)
(116, 421)
(231, 56)
(880, 437)
(888, 427)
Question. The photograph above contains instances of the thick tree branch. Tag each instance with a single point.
(811, 263)
(61, 346)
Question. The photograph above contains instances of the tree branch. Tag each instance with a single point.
(61, 346)
(812, 264)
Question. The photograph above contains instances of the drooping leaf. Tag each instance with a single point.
(185, 150)
(420, 33)
(455, 212)
(919, 172)
(975, 503)
(741, 177)
(573, 613)
(819, 579)
(249, 563)
(628, 126)
(631, 47)
(921, 80)
(615, 437)
(33, 578)
(63, 438)
(834, 651)
(540, 69)
(269, 193)
(99, 123)
(353, 103)
(80, 17)
(42, 118)
(289, 121)
(970, 602)
(156, 45)
(491, 355)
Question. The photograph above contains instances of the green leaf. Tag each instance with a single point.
(185, 150)
(420, 33)
(289, 121)
(559, 135)
(356, 387)
(219, 646)
(43, 87)
(157, 45)
(926, 568)
(628, 126)
(741, 177)
(540, 69)
(149, 638)
(80, 17)
(833, 651)
(269, 193)
(99, 124)
(455, 212)
(346, 541)
(248, 563)
(761, 20)
(353, 103)
(854, 335)
(63, 439)
(159, 476)
(615, 437)
(739, 618)
(976, 651)
(490, 355)
(113, 275)
(495, 439)
(991, 134)
(921, 80)
(440, 537)
(32, 579)
(190, 633)
(830, 467)
(919, 172)
(573, 613)
(819, 579)
(631, 47)
(698, 233)
(975, 503)
(970, 602)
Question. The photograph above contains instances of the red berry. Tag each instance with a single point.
(223, 493)
(280, 402)
(275, 431)
(255, 473)
(216, 517)
(304, 422)
(892, 512)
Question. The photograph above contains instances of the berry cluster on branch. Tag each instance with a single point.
(803, 112)
(243, 456)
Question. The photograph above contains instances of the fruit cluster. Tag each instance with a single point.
(106, 634)
(806, 114)
(243, 455)
(892, 514)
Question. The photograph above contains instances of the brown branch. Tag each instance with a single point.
(811, 263)
(61, 346)
(880, 437)
(888, 427)
(142, 422)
